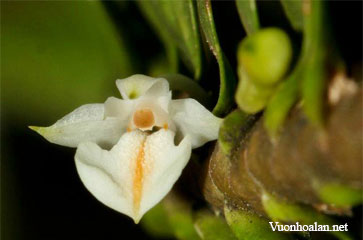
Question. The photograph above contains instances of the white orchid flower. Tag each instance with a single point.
(140, 131)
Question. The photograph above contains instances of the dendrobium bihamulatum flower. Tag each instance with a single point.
(126, 154)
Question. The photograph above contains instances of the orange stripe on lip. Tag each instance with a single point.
(138, 178)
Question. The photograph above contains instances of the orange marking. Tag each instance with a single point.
(144, 118)
(165, 126)
(128, 129)
(138, 178)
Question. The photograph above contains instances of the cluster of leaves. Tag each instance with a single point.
(268, 80)
(264, 56)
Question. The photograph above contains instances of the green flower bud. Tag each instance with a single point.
(251, 97)
(265, 55)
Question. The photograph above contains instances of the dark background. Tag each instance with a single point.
(41, 194)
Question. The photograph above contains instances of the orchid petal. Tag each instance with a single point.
(164, 101)
(138, 85)
(85, 123)
(136, 173)
(195, 121)
(159, 88)
(119, 108)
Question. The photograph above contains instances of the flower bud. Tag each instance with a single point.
(265, 56)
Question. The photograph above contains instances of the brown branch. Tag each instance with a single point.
(292, 167)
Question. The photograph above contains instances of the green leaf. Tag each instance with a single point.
(310, 71)
(281, 102)
(176, 24)
(313, 87)
(227, 79)
(279, 210)
(57, 56)
(247, 11)
(315, 69)
(294, 12)
(249, 226)
(308, 77)
(156, 222)
(211, 227)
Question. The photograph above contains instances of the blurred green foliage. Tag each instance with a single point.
(294, 12)
(180, 216)
(247, 10)
(340, 195)
(176, 24)
(156, 222)
(210, 226)
(57, 56)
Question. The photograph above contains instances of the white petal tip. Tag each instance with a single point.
(34, 128)
(136, 219)
(49, 133)
(41, 130)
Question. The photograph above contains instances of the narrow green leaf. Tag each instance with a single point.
(313, 89)
(315, 70)
(283, 99)
(249, 226)
(293, 10)
(227, 79)
(175, 22)
(247, 11)
(211, 227)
